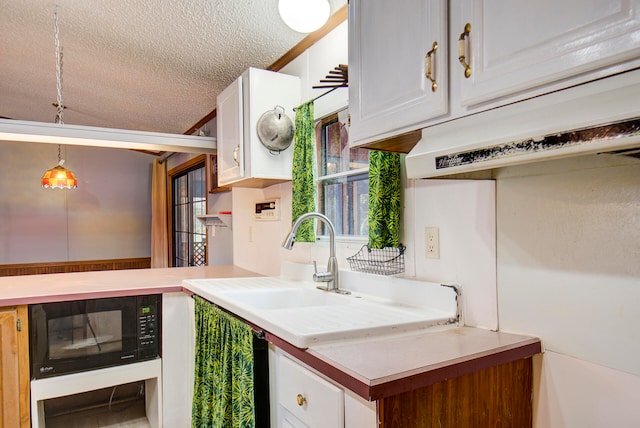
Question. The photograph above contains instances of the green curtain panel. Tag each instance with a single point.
(303, 183)
(223, 390)
(385, 204)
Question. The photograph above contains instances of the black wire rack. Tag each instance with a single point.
(383, 261)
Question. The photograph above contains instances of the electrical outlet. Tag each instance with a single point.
(432, 242)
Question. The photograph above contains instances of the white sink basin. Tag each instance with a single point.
(296, 311)
(285, 298)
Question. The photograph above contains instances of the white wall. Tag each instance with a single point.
(569, 273)
(108, 216)
(464, 212)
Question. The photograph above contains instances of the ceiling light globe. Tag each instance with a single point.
(304, 16)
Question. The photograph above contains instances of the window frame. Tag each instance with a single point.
(196, 162)
(320, 125)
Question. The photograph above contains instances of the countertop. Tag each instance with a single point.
(373, 367)
(29, 289)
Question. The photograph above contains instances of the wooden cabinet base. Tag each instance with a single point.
(14, 367)
(500, 396)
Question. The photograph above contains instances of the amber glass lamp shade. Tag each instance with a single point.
(59, 177)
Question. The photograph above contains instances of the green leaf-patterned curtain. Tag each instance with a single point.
(385, 204)
(223, 391)
(303, 183)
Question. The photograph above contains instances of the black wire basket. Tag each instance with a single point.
(384, 261)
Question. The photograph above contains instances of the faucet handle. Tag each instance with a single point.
(321, 276)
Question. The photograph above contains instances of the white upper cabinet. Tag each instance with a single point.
(242, 158)
(391, 44)
(518, 45)
(229, 134)
(490, 54)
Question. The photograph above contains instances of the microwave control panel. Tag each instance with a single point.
(148, 325)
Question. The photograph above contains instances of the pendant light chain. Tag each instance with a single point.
(59, 106)
(59, 177)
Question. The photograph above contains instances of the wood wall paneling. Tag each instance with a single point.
(74, 266)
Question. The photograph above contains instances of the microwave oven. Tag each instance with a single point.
(79, 335)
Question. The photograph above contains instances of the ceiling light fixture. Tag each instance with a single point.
(59, 177)
(304, 16)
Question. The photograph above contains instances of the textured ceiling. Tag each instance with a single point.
(134, 64)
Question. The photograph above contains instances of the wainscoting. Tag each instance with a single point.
(74, 266)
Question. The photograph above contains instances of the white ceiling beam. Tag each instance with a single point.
(53, 133)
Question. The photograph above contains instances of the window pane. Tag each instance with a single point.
(335, 156)
(345, 200)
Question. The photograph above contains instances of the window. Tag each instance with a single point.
(189, 199)
(343, 178)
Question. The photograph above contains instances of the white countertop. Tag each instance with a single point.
(26, 289)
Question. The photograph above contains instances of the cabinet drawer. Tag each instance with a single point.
(308, 397)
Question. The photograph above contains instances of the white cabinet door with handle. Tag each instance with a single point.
(517, 46)
(230, 134)
(398, 66)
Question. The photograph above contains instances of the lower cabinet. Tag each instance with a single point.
(498, 396)
(303, 398)
(14, 365)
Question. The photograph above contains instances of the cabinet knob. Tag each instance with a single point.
(462, 50)
(300, 400)
(430, 60)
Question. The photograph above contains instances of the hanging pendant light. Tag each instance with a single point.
(304, 16)
(59, 177)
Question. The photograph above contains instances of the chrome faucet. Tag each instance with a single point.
(331, 276)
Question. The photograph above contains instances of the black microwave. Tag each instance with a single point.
(79, 335)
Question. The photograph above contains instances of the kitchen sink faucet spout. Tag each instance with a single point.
(332, 275)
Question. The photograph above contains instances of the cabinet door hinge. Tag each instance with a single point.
(19, 324)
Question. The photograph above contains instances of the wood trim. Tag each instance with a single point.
(74, 266)
(191, 163)
(334, 20)
(402, 143)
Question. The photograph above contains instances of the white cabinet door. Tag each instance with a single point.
(230, 134)
(178, 359)
(242, 158)
(307, 397)
(389, 92)
(519, 45)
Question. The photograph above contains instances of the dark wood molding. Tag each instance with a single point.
(74, 266)
(402, 143)
(334, 20)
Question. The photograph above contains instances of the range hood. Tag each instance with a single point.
(596, 117)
